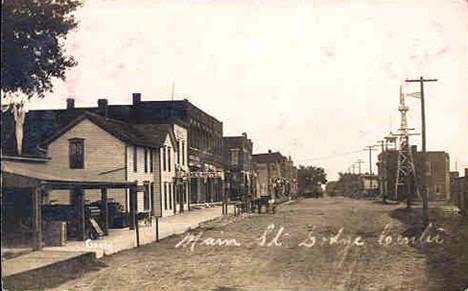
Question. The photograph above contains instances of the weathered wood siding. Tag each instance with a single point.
(140, 175)
(104, 160)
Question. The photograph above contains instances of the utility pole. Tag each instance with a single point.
(359, 161)
(421, 81)
(381, 170)
(370, 148)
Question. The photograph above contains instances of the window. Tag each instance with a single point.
(169, 159)
(146, 198)
(164, 159)
(76, 148)
(146, 160)
(151, 160)
(170, 195)
(178, 152)
(135, 159)
(183, 153)
(234, 157)
(165, 195)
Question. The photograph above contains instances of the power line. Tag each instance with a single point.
(333, 156)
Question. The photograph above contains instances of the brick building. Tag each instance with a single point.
(437, 171)
(239, 170)
(276, 176)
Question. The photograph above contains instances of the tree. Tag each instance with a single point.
(349, 183)
(310, 179)
(32, 51)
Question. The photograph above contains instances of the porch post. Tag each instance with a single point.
(80, 207)
(181, 196)
(174, 195)
(188, 191)
(157, 229)
(105, 210)
(132, 207)
(37, 219)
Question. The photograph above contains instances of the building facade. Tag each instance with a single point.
(203, 143)
(116, 151)
(459, 191)
(239, 170)
(437, 173)
(276, 176)
(80, 143)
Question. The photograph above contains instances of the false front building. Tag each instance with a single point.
(276, 176)
(437, 174)
(239, 171)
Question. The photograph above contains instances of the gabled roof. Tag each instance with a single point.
(150, 135)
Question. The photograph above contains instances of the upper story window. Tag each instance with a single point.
(135, 158)
(169, 159)
(164, 159)
(178, 152)
(183, 153)
(234, 157)
(76, 148)
(146, 160)
(151, 160)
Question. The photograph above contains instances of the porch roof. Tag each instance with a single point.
(27, 175)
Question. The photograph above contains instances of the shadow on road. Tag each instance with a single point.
(52, 276)
(447, 263)
(387, 203)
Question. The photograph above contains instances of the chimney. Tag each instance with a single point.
(103, 109)
(70, 103)
(269, 151)
(244, 134)
(136, 98)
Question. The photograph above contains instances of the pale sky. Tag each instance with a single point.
(317, 80)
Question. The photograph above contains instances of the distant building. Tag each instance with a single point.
(459, 191)
(239, 170)
(438, 174)
(370, 182)
(437, 171)
(276, 176)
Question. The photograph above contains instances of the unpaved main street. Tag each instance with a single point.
(304, 250)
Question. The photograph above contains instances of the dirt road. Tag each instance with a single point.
(309, 244)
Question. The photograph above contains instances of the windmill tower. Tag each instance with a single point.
(406, 171)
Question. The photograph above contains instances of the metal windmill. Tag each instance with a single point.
(406, 171)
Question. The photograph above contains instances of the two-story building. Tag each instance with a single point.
(239, 171)
(204, 143)
(271, 179)
(78, 142)
(114, 150)
(437, 173)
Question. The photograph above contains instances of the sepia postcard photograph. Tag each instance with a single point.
(234, 145)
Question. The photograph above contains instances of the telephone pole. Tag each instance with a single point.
(370, 149)
(421, 81)
(359, 161)
(381, 170)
